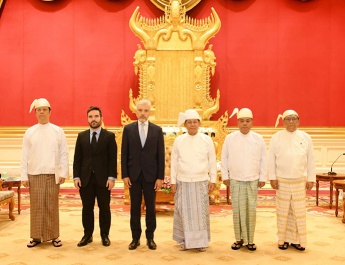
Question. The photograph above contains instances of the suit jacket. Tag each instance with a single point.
(103, 160)
(149, 159)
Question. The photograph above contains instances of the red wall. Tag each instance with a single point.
(271, 55)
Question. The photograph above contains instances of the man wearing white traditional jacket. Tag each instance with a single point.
(291, 173)
(243, 167)
(193, 175)
(44, 166)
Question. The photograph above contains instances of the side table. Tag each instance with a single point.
(330, 179)
(9, 184)
(339, 185)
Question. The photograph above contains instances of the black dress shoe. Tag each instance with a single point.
(134, 244)
(151, 244)
(105, 240)
(84, 241)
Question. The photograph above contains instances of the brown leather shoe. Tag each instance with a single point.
(151, 244)
(134, 244)
(84, 241)
(105, 240)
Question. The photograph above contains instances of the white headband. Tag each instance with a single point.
(242, 113)
(190, 114)
(285, 114)
(41, 102)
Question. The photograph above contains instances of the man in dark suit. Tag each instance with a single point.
(142, 163)
(94, 174)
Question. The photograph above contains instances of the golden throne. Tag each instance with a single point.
(174, 69)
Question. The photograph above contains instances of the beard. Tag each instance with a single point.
(95, 124)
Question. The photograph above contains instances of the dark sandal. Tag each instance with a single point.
(284, 246)
(251, 247)
(298, 247)
(33, 243)
(57, 243)
(237, 245)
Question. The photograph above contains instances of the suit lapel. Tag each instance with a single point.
(88, 134)
(101, 135)
(89, 139)
(148, 132)
(136, 129)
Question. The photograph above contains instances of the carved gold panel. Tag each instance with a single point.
(188, 4)
(173, 65)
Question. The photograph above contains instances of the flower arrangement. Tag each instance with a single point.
(166, 187)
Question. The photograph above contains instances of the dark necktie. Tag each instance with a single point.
(94, 141)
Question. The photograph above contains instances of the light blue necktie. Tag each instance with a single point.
(142, 134)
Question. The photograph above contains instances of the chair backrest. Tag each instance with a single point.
(1, 181)
(168, 142)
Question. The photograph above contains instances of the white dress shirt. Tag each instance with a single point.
(146, 126)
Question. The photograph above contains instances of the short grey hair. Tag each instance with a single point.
(144, 102)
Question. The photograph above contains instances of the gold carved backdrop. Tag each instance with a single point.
(188, 4)
(174, 68)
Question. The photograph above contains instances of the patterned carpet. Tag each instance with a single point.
(69, 197)
(325, 237)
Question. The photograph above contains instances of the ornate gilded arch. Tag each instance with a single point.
(173, 64)
(188, 4)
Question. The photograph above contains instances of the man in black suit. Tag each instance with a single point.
(94, 174)
(142, 163)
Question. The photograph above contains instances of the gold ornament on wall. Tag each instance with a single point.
(174, 66)
(187, 4)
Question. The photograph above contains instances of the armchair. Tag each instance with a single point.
(7, 197)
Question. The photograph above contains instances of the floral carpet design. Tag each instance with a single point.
(325, 238)
(69, 198)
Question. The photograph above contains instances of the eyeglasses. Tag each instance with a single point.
(291, 119)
